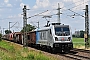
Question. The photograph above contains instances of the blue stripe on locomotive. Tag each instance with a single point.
(37, 36)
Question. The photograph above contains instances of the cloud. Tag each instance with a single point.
(46, 13)
(41, 4)
(55, 5)
(1, 10)
(28, 7)
(19, 0)
(35, 6)
(67, 0)
(6, 1)
(22, 5)
(48, 4)
(9, 5)
(15, 16)
(79, 4)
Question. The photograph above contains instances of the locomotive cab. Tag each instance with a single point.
(62, 37)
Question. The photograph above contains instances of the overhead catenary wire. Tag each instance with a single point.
(76, 13)
(34, 24)
(80, 4)
(37, 14)
(10, 18)
(74, 6)
(69, 9)
(61, 8)
(13, 25)
(53, 9)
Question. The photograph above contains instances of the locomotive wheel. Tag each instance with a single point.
(54, 51)
(15, 41)
(43, 48)
(67, 50)
(49, 49)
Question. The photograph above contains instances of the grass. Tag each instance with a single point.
(78, 42)
(11, 51)
(7, 46)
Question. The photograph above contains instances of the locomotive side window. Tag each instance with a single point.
(43, 35)
(50, 31)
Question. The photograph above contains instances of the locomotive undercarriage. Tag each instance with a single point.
(62, 47)
(57, 47)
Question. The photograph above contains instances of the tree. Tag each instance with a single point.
(0, 36)
(7, 31)
(28, 28)
(82, 34)
(73, 35)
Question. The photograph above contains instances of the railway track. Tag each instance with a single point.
(76, 54)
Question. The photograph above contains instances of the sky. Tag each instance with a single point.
(11, 11)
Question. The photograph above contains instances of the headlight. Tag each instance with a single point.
(69, 38)
(56, 39)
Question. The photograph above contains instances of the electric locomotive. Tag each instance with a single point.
(56, 37)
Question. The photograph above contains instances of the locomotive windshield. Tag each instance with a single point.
(62, 31)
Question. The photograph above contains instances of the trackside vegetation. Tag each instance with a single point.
(11, 51)
(78, 42)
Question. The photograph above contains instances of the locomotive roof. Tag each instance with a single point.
(44, 28)
(61, 25)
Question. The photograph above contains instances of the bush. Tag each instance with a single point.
(31, 57)
(0, 37)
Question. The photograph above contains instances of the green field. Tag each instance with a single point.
(11, 51)
(78, 42)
